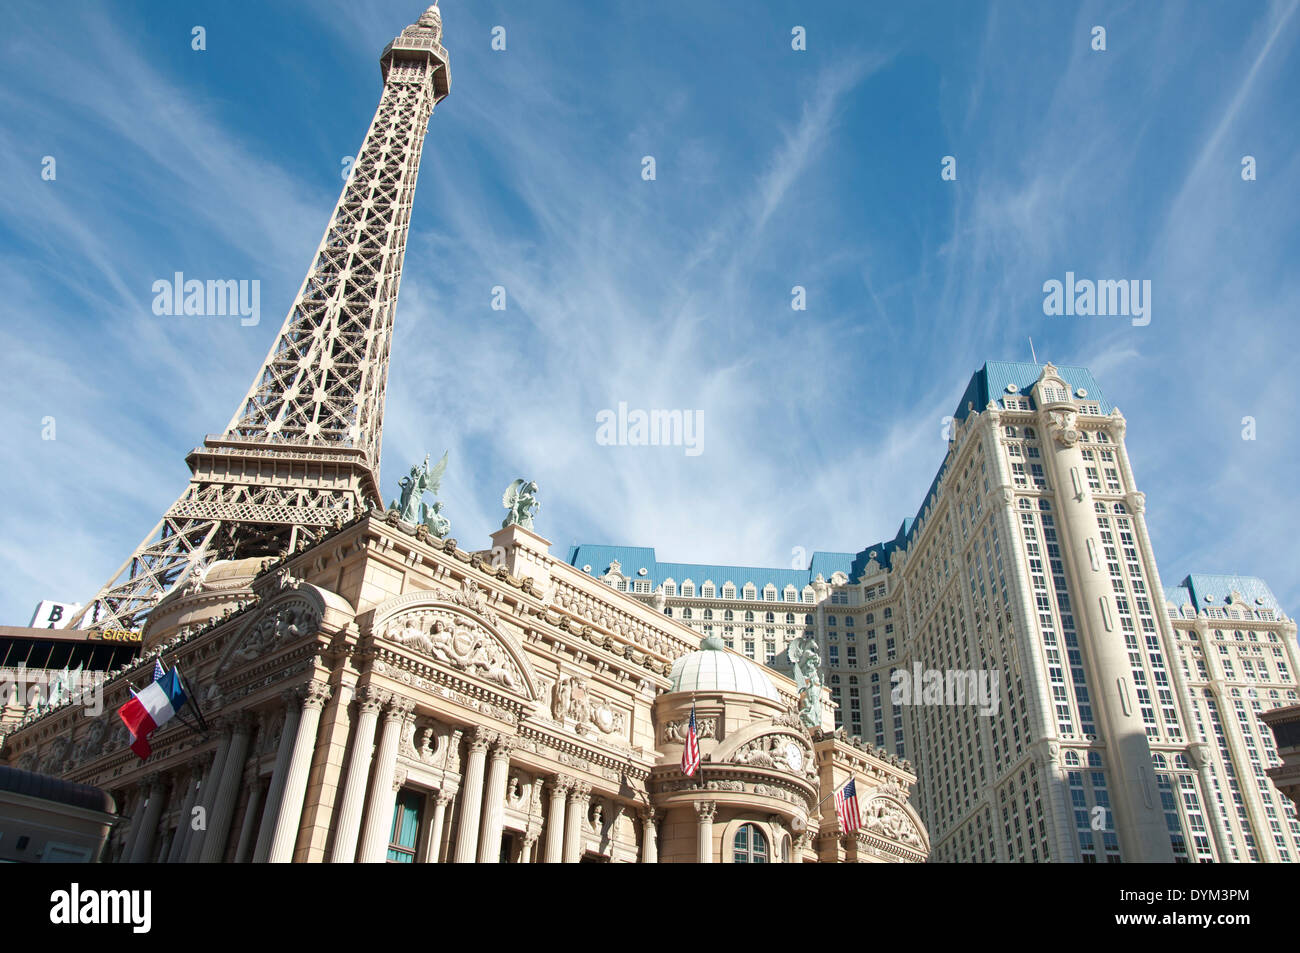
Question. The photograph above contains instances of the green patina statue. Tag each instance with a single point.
(411, 507)
(521, 500)
(806, 659)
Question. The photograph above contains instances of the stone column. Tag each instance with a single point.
(559, 786)
(705, 811)
(266, 830)
(649, 837)
(142, 847)
(383, 793)
(208, 793)
(223, 809)
(133, 831)
(573, 824)
(289, 816)
(494, 805)
(347, 824)
(175, 852)
(250, 819)
(1199, 754)
(432, 853)
(471, 796)
(528, 854)
(1138, 814)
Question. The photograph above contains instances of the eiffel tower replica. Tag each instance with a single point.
(302, 451)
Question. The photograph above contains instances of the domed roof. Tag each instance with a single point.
(222, 573)
(712, 669)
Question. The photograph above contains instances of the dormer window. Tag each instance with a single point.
(1054, 393)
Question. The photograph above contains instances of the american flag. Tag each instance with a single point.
(691, 753)
(158, 670)
(846, 807)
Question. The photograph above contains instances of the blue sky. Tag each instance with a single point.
(775, 168)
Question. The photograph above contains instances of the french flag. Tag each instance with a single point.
(152, 708)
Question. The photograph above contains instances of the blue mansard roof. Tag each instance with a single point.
(990, 383)
(1218, 586)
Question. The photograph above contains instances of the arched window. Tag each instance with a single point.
(728, 616)
(686, 613)
(749, 846)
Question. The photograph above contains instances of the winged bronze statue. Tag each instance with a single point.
(411, 507)
(520, 499)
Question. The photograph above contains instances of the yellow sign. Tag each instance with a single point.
(119, 635)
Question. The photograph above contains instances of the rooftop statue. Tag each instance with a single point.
(411, 508)
(521, 500)
(804, 656)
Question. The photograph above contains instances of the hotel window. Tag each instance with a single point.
(852, 655)
(708, 615)
(708, 590)
(406, 827)
(751, 592)
(830, 620)
(728, 616)
(686, 613)
(749, 615)
(808, 595)
(688, 589)
(835, 654)
(769, 617)
(769, 593)
(790, 594)
(728, 591)
(749, 846)
(789, 618)
(848, 621)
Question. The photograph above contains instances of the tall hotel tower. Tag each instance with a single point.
(1125, 724)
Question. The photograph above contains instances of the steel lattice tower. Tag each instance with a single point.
(302, 451)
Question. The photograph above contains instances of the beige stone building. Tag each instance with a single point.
(383, 695)
(1127, 716)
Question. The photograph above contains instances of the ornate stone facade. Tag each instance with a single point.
(438, 696)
